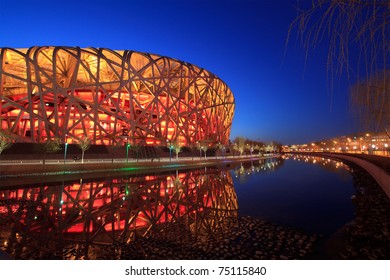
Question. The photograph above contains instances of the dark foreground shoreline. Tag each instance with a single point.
(366, 237)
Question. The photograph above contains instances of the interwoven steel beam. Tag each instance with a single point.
(72, 92)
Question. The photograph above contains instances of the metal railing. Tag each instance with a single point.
(120, 160)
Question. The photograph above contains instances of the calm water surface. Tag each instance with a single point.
(311, 194)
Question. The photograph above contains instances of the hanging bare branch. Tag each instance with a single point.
(357, 31)
(370, 102)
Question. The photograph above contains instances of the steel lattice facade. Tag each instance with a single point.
(110, 96)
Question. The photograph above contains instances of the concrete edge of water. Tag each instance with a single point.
(379, 174)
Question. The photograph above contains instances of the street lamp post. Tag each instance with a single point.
(170, 150)
(65, 149)
(127, 152)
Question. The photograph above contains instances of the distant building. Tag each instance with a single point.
(110, 96)
(371, 143)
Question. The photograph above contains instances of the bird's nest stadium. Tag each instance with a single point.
(110, 97)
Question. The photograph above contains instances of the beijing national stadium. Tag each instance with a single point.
(110, 97)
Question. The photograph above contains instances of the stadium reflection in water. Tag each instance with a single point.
(110, 218)
(35, 219)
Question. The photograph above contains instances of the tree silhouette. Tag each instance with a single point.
(371, 103)
(358, 33)
(176, 146)
(347, 24)
(239, 144)
(84, 144)
(204, 146)
(49, 146)
(5, 141)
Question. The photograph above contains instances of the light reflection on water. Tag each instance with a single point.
(310, 193)
(198, 202)
(200, 205)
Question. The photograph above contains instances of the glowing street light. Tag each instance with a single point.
(127, 152)
(65, 149)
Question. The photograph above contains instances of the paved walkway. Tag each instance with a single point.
(380, 161)
(377, 166)
(16, 173)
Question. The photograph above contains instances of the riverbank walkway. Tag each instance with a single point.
(16, 171)
(377, 166)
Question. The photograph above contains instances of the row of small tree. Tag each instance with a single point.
(242, 144)
(239, 144)
(55, 145)
(47, 147)
(176, 146)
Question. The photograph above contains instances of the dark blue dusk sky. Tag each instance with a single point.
(279, 95)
